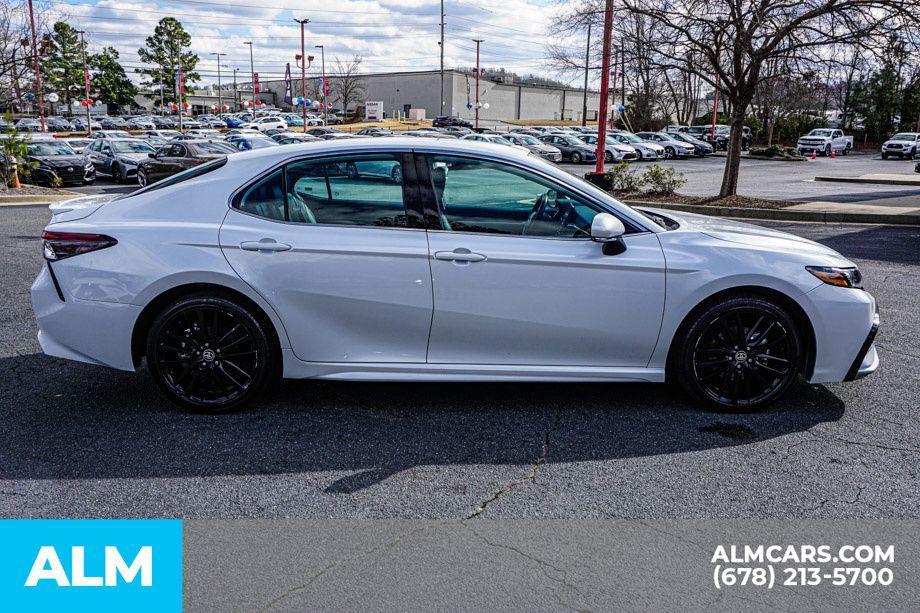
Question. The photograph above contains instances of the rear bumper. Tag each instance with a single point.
(95, 332)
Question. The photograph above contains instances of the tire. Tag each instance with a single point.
(827, 151)
(576, 158)
(142, 177)
(739, 354)
(351, 170)
(884, 156)
(639, 156)
(116, 174)
(846, 150)
(396, 174)
(608, 157)
(189, 346)
(669, 153)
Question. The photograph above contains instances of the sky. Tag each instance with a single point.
(390, 35)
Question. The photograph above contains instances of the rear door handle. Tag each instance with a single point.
(459, 255)
(266, 245)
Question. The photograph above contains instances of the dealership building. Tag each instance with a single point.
(401, 92)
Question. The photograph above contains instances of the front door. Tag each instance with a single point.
(327, 243)
(517, 279)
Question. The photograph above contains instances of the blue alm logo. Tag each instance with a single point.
(91, 565)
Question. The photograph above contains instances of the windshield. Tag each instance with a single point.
(214, 148)
(129, 146)
(185, 175)
(905, 136)
(49, 149)
(261, 143)
(527, 140)
(820, 133)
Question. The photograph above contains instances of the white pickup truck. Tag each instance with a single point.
(824, 141)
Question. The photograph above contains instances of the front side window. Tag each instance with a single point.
(493, 198)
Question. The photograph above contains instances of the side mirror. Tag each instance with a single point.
(608, 230)
(152, 155)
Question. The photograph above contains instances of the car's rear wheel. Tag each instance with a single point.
(740, 354)
(209, 354)
(576, 158)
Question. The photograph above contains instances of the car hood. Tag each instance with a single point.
(134, 157)
(59, 161)
(653, 146)
(749, 234)
(808, 137)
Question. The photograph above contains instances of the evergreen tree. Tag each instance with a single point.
(62, 69)
(167, 52)
(110, 84)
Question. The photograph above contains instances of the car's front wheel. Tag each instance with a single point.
(209, 354)
(116, 173)
(669, 153)
(576, 158)
(740, 354)
(142, 177)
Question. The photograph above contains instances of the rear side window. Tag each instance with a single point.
(265, 198)
(361, 190)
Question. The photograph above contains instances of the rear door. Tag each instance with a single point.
(341, 256)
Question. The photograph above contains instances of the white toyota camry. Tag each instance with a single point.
(413, 259)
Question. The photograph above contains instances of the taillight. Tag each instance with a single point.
(60, 245)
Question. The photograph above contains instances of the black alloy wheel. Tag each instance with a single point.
(669, 153)
(608, 157)
(740, 355)
(576, 157)
(209, 354)
(116, 173)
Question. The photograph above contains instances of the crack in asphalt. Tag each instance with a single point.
(544, 566)
(531, 476)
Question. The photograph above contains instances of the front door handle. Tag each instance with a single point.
(264, 245)
(459, 255)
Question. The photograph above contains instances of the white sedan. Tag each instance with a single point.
(422, 259)
(263, 124)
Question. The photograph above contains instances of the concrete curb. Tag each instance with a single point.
(785, 214)
(36, 198)
(912, 182)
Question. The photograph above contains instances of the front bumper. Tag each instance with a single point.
(866, 361)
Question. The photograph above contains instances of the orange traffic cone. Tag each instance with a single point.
(814, 154)
(833, 155)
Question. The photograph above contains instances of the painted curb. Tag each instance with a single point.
(784, 214)
(912, 182)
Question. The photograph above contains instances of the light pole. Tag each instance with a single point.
(38, 72)
(220, 102)
(441, 107)
(252, 73)
(477, 41)
(303, 73)
(89, 123)
(322, 55)
(236, 94)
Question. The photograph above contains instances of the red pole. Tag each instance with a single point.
(38, 73)
(623, 75)
(605, 84)
(477, 41)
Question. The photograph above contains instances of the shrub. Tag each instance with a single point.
(776, 151)
(663, 180)
(624, 178)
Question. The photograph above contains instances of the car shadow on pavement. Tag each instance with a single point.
(75, 421)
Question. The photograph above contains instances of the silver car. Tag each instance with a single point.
(545, 151)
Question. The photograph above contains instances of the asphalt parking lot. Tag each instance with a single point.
(82, 441)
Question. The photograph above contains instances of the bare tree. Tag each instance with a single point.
(736, 38)
(346, 84)
(17, 74)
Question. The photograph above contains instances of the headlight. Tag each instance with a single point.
(841, 277)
